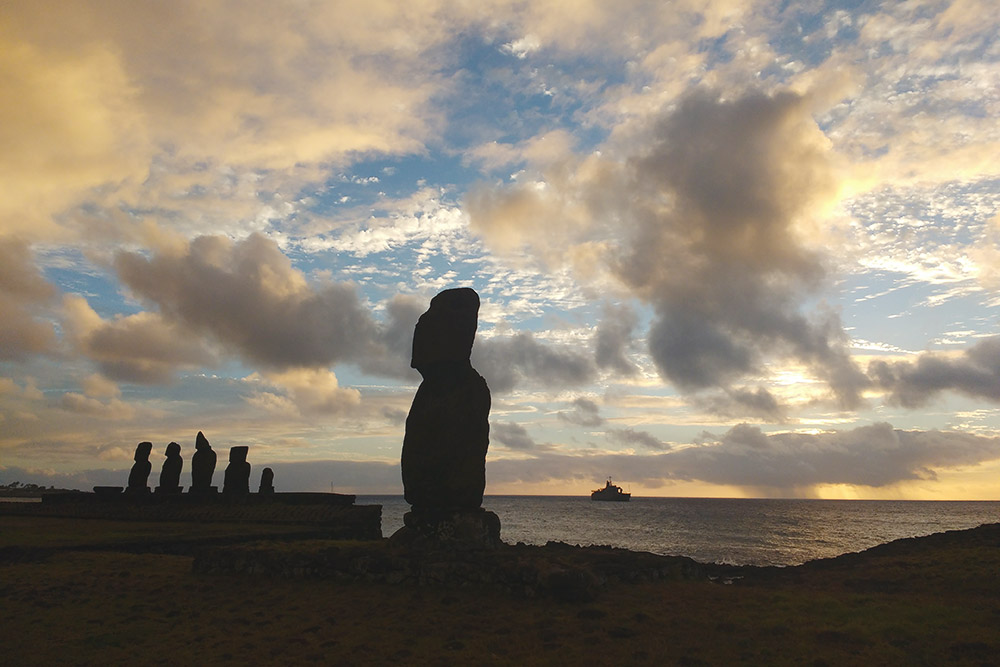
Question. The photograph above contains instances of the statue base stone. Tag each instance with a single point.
(455, 530)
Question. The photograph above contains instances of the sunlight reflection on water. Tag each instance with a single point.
(735, 531)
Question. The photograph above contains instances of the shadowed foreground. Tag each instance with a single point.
(922, 601)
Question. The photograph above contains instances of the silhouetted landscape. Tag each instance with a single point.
(130, 574)
(107, 591)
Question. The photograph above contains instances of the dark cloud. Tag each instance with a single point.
(631, 437)
(584, 413)
(913, 384)
(613, 339)
(746, 402)
(512, 435)
(875, 456)
(710, 222)
(723, 262)
(391, 358)
(23, 293)
(247, 295)
(394, 416)
(779, 464)
(508, 361)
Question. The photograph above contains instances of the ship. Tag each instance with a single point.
(611, 492)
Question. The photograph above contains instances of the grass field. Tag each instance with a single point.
(928, 601)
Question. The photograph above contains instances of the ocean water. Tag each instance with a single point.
(715, 530)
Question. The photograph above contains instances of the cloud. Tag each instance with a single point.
(614, 338)
(144, 348)
(247, 296)
(631, 437)
(395, 335)
(745, 402)
(785, 464)
(710, 217)
(876, 455)
(913, 384)
(512, 435)
(584, 413)
(23, 294)
(509, 361)
(113, 409)
(306, 391)
(726, 264)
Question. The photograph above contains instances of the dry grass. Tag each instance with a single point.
(934, 605)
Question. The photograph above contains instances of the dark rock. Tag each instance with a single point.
(139, 475)
(237, 479)
(202, 466)
(461, 530)
(170, 474)
(447, 430)
(266, 481)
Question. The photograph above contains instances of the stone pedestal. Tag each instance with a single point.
(462, 530)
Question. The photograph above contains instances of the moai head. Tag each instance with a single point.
(173, 449)
(446, 331)
(201, 442)
(238, 454)
(142, 451)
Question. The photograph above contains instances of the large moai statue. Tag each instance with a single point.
(447, 430)
(170, 473)
(237, 479)
(202, 466)
(138, 476)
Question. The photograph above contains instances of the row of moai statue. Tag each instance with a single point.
(236, 481)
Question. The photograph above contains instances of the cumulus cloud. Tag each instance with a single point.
(23, 292)
(144, 348)
(613, 339)
(305, 391)
(512, 435)
(395, 335)
(584, 413)
(247, 296)
(718, 202)
(912, 384)
(507, 361)
(725, 264)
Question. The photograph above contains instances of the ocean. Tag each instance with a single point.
(717, 530)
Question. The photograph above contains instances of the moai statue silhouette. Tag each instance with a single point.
(237, 479)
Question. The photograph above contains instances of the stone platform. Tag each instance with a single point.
(334, 514)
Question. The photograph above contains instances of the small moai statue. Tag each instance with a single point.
(138, 476)
(237, 479)
(202, 466)
(170, 474)
(266, 481)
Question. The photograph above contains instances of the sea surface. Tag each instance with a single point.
(714, 530)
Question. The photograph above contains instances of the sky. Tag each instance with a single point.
(724, 248)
